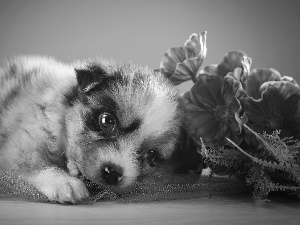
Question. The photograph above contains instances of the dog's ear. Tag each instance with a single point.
(90, 77)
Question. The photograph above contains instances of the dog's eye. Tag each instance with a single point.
(107, 122)
(153, 157)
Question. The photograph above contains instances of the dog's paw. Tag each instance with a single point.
(58, 186)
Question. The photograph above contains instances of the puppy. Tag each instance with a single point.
(110, 123)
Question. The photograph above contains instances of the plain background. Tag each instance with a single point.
(141, 31)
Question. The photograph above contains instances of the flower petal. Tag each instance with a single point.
(171, 58)
(261, 109)
(186, 70)
(203, 124)
(236, 88)
(196, 45)
(236, 74)
(210, 70)
(182, 64)
(285, 88)
(257, 77)
(206, 92)
(254, 112)
(232, 60)
(241, 73)
(279, 106)
(290, 79)
(200, 123)
(290, 104)
(234, 131)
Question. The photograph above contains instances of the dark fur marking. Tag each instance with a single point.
(132, 127)
(106, 103)
(14, 91)
(28, 133)
(10, 98)
(50, 134)
(10, 72)
(92, 123)
(71, 96)
(91, 74)
(3, 138)
(156, 142)
(42, 108)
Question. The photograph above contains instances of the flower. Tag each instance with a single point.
(252, 81)
(182, 63)
(232, 60)
(290, 79)
(277, 109)
(236, 63)
(257, 77)
(212, 110)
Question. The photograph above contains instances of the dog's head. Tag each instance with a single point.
(122, 123)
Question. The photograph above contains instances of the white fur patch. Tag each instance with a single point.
(58, 186)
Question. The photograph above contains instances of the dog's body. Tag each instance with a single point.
(111, 123)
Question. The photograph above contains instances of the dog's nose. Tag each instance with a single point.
(112, 174)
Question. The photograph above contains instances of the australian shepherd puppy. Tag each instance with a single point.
(111, 123)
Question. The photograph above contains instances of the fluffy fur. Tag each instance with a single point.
(111, 123)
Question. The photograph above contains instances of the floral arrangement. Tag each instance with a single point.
(245, 120)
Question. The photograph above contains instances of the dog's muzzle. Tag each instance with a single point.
(112, 174)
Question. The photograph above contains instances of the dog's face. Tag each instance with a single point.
(122, 124)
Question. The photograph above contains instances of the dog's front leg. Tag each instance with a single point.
(58, 185)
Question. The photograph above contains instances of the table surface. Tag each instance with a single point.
(215, 210)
